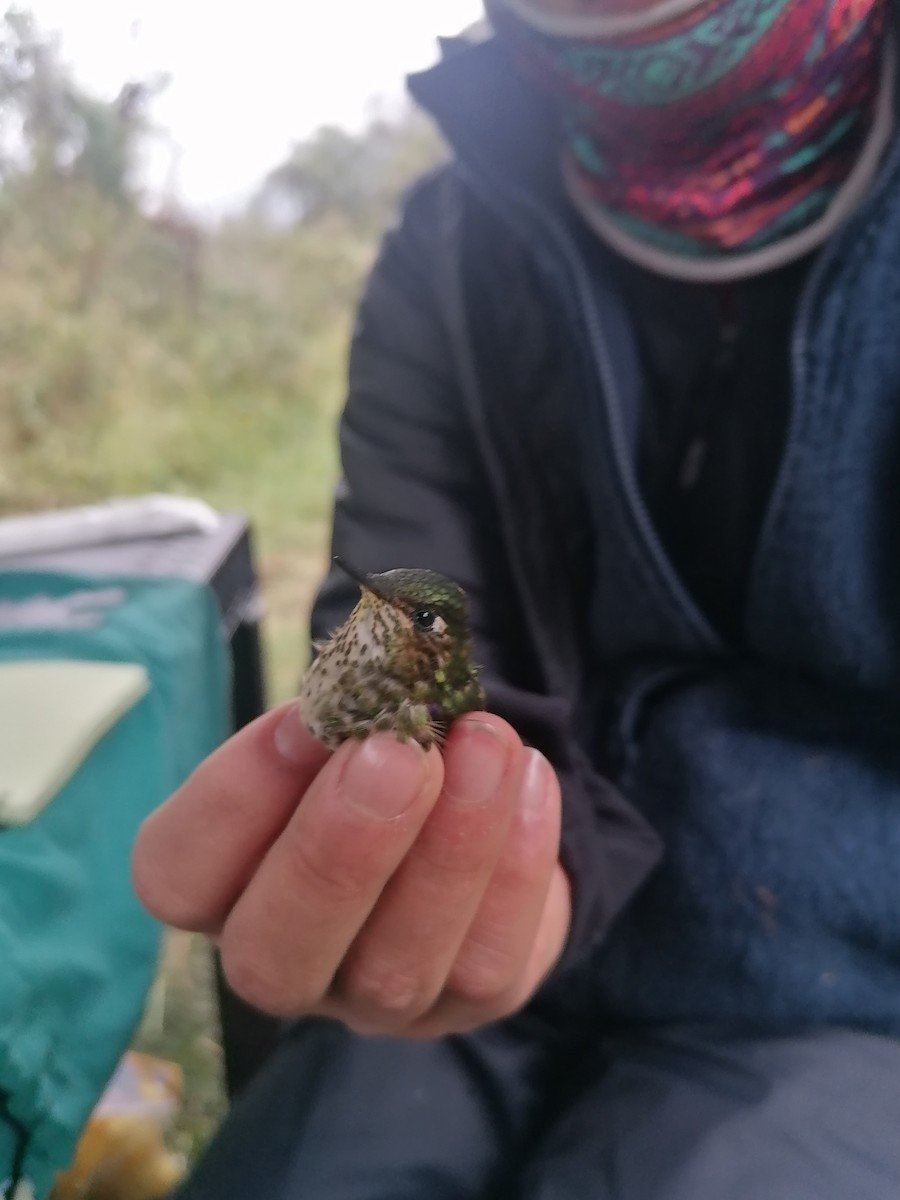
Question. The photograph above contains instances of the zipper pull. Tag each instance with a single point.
(692, 463)
(694, 459)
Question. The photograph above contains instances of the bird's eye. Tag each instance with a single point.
(428, 620)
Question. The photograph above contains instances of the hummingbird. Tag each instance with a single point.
(400, 663)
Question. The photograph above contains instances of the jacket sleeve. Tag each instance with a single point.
(411, 493)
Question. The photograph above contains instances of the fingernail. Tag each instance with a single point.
(478, 773)
(383, 777)
(535, 784)
(292, 738)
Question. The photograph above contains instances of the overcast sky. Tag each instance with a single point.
(249, 79)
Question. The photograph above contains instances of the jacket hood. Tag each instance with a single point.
(493, 122)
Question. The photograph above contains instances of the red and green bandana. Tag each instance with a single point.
(712, 129)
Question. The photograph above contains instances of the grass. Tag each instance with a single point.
(231, 396)
(181, 1025)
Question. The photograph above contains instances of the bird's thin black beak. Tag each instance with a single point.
(364, 581)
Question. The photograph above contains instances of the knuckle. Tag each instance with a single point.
(144, 880)
(162, 898)
(331, 875)
(452, 861)
(259, 984)
(482, 977)
(378, 987)
(520, 875)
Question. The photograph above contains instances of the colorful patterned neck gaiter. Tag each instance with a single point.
(725, 129)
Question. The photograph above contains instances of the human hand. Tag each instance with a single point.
(402, 892)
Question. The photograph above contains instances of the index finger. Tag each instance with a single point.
(195, 854)
(286, 936)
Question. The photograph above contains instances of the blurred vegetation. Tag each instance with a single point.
(141, 350)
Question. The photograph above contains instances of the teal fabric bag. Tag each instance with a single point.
(77, 952)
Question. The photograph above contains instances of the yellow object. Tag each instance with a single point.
(52, 714)
(121, 1154)
(120, 1157)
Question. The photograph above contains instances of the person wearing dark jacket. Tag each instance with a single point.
(628, 370)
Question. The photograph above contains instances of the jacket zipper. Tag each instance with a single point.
(717, 383)
(613, 407)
